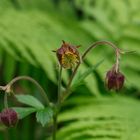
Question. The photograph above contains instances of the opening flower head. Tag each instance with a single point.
(68, 55)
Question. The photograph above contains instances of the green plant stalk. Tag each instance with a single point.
(58, 104)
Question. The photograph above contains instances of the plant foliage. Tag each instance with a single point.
(107, 118)
(31, 29)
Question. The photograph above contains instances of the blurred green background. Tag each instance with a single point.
(31, 29)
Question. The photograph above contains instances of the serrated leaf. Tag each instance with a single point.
(30, 100)
(24, 111)
(44, 116)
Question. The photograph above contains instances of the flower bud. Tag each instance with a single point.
(114, 80)
(9, 117)
(68, 56)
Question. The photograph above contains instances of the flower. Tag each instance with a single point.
(68, 55)
(9, 117)
(114, 80)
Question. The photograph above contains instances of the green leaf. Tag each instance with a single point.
(30, 100)
(24, 111)
(106, 118)
(80, 78)
(44, 116)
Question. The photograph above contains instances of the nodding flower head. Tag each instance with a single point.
(68, 55)
(9, 117)
(114, 80)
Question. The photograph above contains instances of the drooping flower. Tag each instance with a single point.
(114, 80)
(68, 55)
(9, 117)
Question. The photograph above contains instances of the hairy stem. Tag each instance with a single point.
(13, 81)
(117, 51)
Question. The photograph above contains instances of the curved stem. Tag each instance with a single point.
(99, 43)
(117, 51)
(42, 92)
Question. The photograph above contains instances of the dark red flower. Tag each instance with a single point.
(9, 117)
(114, 80)
(68, 55)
